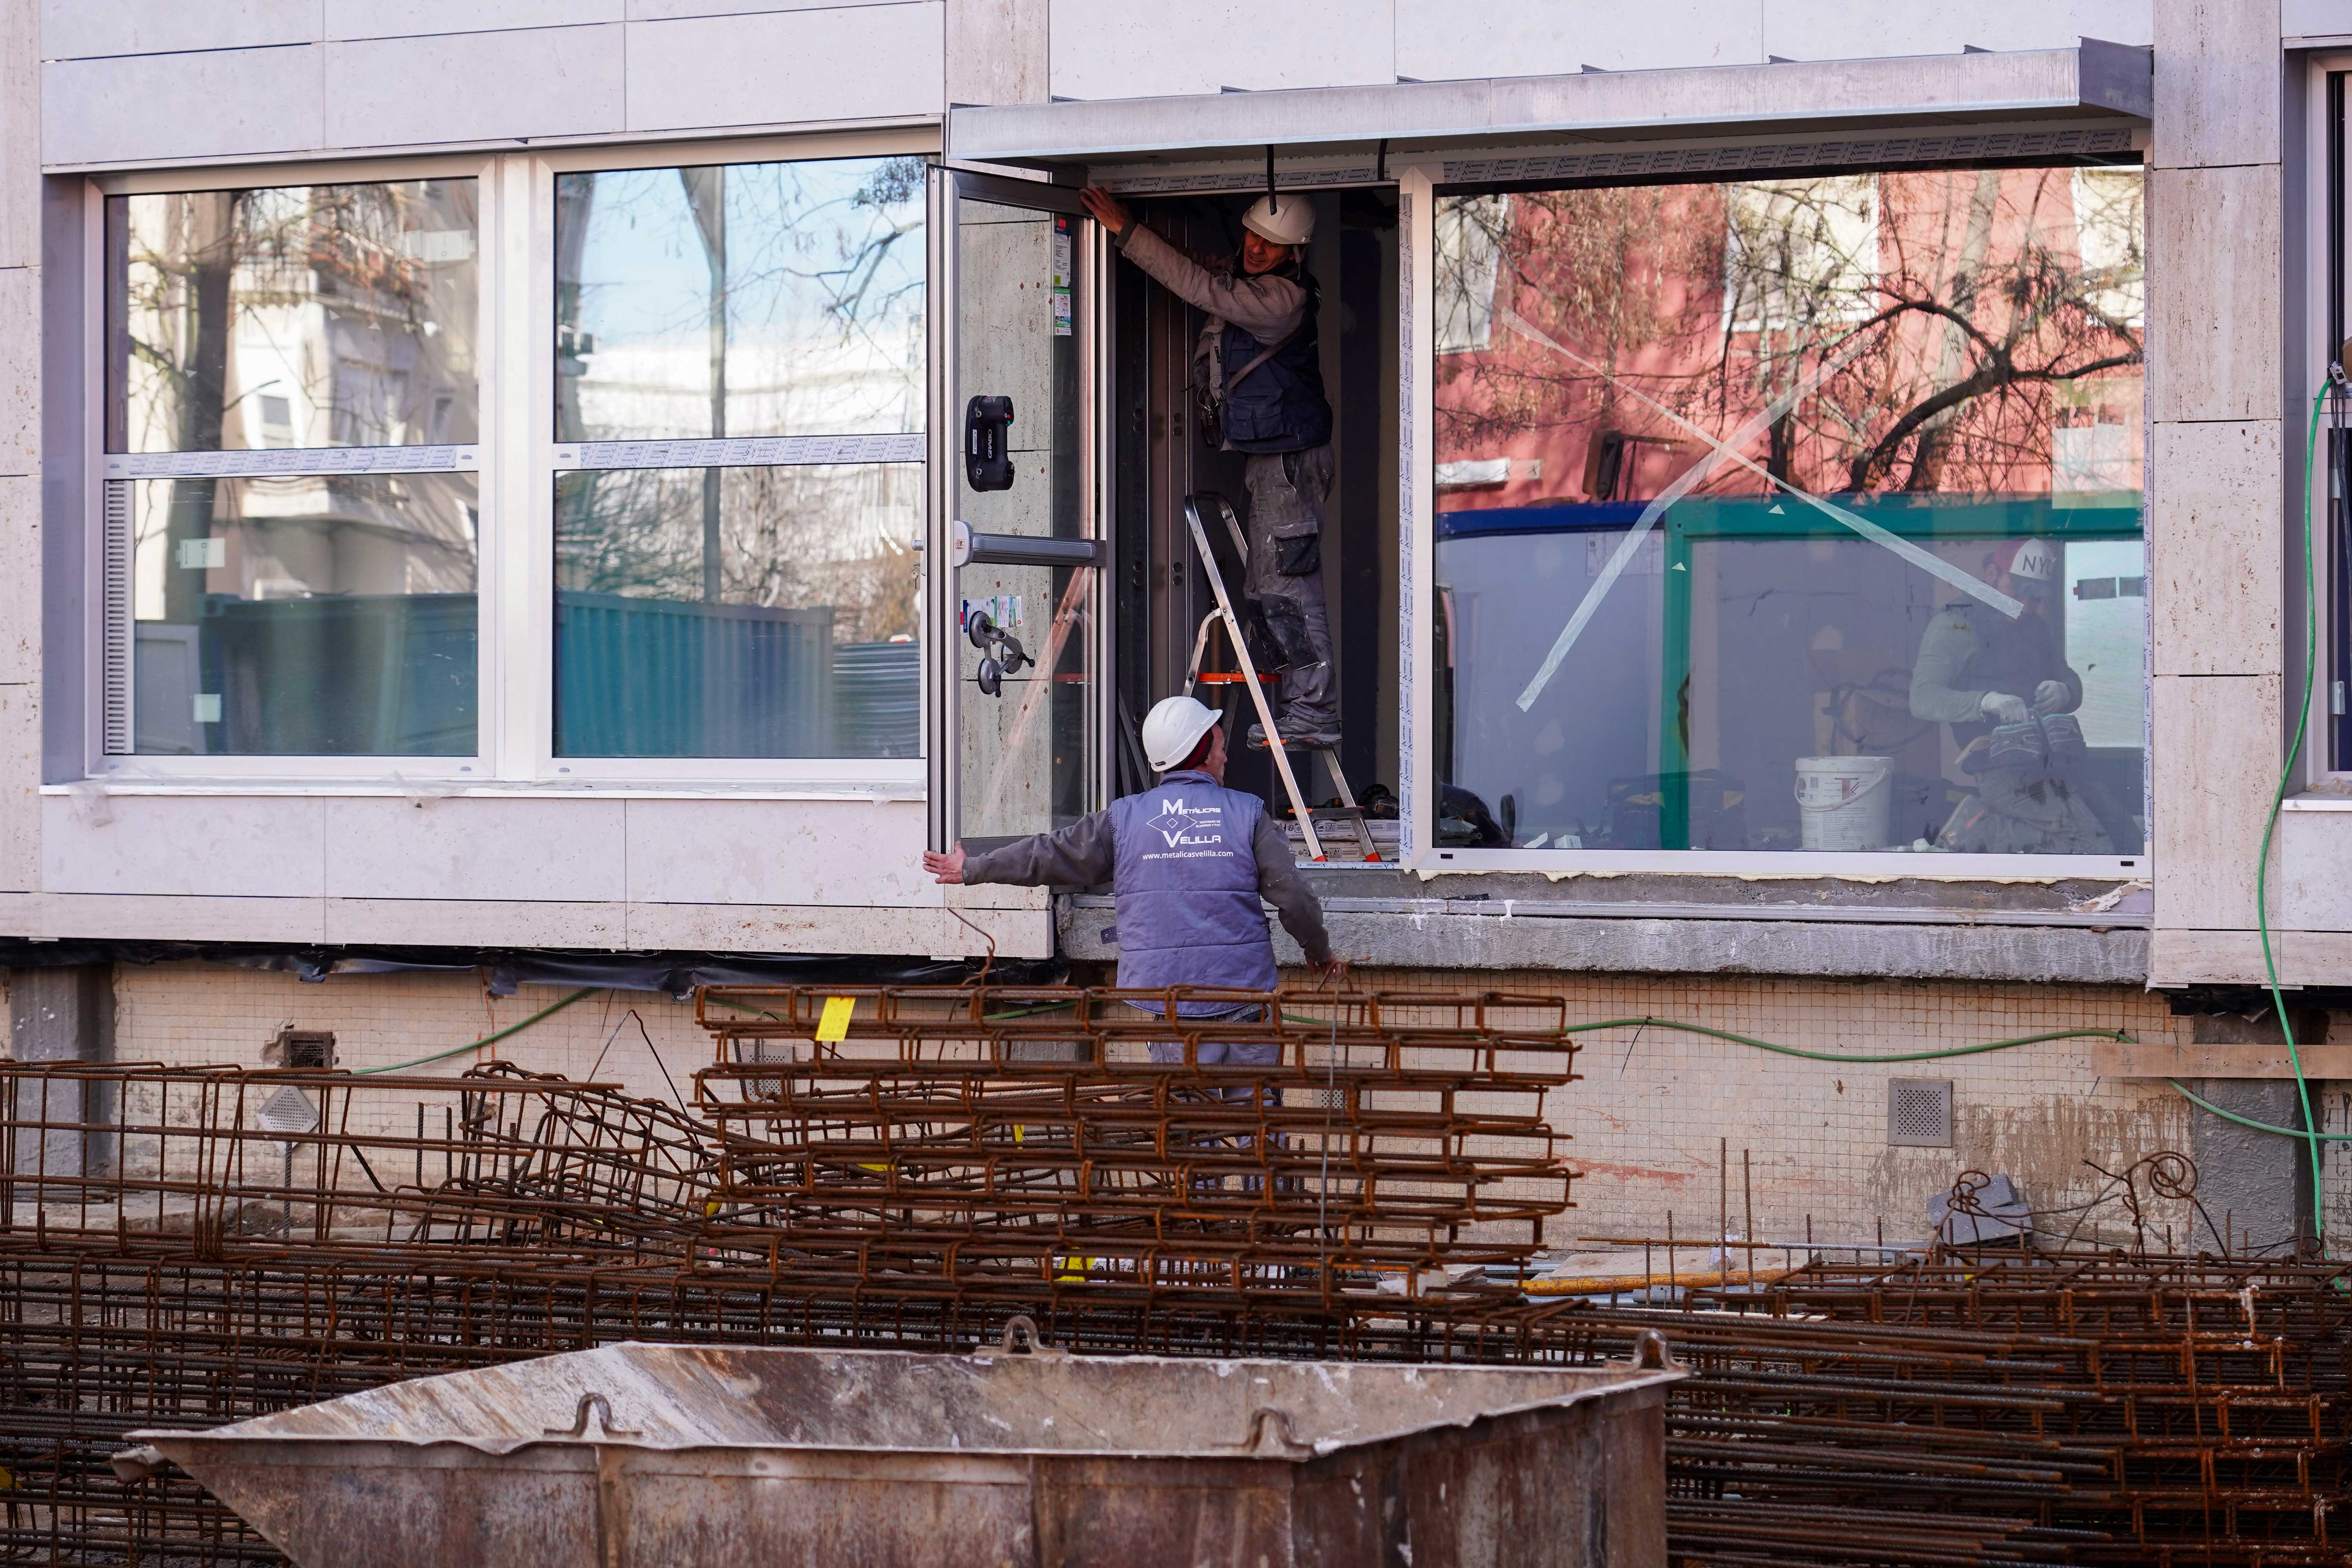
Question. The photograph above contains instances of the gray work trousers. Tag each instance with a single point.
(1287, 493)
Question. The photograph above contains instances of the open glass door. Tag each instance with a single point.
(1015, 557)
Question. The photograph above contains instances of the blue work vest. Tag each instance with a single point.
(1186, 880)
(1279, 406)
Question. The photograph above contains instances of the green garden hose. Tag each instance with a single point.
(2311, 1134)
(485, 1039)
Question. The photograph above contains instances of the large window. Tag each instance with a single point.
(291, 518)
(1808, 516)
(329, 510)
(739, 395)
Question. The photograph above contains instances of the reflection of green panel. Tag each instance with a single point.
(353, 675)
(1921, 517)
(1926, 520)
(663, 678)
(1674, 695)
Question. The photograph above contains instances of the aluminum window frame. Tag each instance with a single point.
(103, 590)
(1419, 183)
(532, 733)
(515, 462)
(2326, 263)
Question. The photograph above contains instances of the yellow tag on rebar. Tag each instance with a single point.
(835, 1025)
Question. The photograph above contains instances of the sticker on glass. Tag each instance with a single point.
(1063, 267)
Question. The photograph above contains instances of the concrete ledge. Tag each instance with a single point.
(1638, 946)
(2101, 77)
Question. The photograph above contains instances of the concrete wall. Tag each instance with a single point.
(133, 80)
(766, 876)
(20, 451)
(2218, 451)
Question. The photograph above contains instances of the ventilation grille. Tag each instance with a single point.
(765, 1051)
(293, 1048)
(1919, 1112)
(115, 658)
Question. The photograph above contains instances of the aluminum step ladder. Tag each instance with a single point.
(1224, 616)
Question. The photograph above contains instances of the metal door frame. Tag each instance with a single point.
(942, 659)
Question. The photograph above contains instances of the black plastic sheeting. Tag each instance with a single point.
(673, 972)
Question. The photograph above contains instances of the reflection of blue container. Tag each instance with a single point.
(877, 699)
(342, 674)
(661, 678)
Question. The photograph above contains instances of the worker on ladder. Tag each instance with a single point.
(1260, 376)
(1189, 861)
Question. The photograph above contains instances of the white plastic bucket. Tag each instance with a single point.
(1843, 801)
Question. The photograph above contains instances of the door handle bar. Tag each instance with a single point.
(971, 548)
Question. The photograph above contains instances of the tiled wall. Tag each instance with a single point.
(1654, 1114)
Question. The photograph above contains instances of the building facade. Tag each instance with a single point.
(497, 508)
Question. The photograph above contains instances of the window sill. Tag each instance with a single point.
(1862, 866)
(2322, 799)
(1491, 907)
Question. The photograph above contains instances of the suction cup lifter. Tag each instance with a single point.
(1002, 652)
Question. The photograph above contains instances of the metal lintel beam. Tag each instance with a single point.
(2097, 77)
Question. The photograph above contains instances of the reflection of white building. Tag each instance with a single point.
(291, 538)
(354, 314)
(835, 383)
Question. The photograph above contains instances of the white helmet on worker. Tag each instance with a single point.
(1281, 220)
(1173, 728)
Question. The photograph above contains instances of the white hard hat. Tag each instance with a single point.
(2033, 565)
(1285, 220)
(1173, 728)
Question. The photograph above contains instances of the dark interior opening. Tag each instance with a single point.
(1160, 459)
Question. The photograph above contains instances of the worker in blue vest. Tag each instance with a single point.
(1259, 369)
(1188, 862)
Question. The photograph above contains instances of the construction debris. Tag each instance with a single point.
(910, 1169)
(2076, 1408)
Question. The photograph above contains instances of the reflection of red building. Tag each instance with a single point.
(1986, 327)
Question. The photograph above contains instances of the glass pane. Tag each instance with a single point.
(737, 612)
(740, 300)
(1800, 514)
(1027, 749)
(292, 316)
(316, 617)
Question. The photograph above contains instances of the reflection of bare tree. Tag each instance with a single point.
(1609, 269)
(1976, 296)
(807, 254)
(793, 537)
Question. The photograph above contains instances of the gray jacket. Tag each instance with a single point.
(1085, 853)
(1265, 307)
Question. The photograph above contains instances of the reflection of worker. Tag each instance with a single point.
(1189, 861)
(1258, 358)
(2000, 682)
